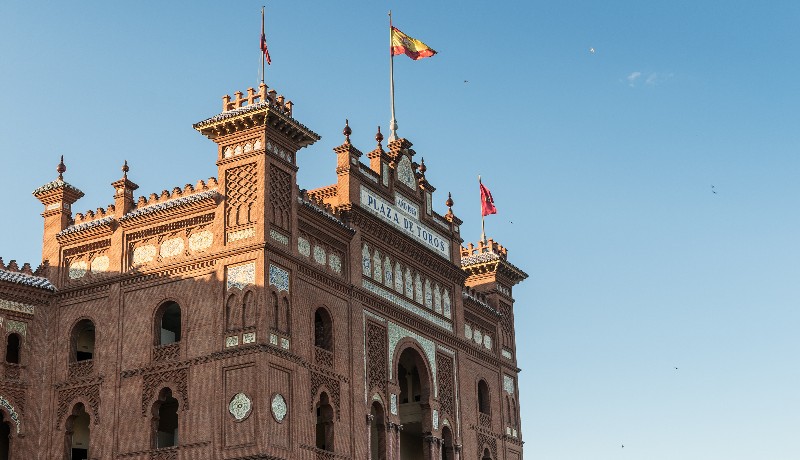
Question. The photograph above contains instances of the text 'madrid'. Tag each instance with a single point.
(404, 215)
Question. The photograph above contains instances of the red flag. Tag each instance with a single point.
(264, 41)
(487, 202)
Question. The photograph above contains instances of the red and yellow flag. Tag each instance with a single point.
(411, 47)
(487, 202)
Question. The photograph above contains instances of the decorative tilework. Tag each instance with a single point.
(16, 306)
(100, 264)
(388, 273)
(508, 430)
(144, 254)
(506, 353)
(428, 203)
(397, 300)
(398, 278)
(11, 412)
(366, 261)
(78, 269)
(17, 326)
(52, 206)
(437, 299)
(418, 289)
(335, 262)
(503, 290)
(240, 406)
(487, 341)
(279, 237)
(446, 303)
(377, 270)
(467, 331)
(232, 341)
(201, 241)
(477, 336)
(397, 333)
(393, 403)
(404, 172)
(240, 276)
(303, 247)
(385, 174)
(242, 234)
(273, 339)
(428, 294)
(279, 408)
(508, 384)
(172, 247)
(279, 278)
(319, 255)
(284, 343)
(409, 282)
(514, 432)
(435, 419)
(249, 337)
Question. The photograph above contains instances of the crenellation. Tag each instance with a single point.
(176, 192)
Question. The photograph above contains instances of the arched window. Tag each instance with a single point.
(232, 313)
(484, 406)
(415, 398)
(13, 348)
(377, 438)
(165, 420)
(324, 426)
(448, 449)
(168, 324)
(275, 312)
(323, 330)
(78, 434)
(286, 322)
(83, 341)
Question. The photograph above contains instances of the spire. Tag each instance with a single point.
(449, 203)
(61, 168)
(347, 131)
(379, 138)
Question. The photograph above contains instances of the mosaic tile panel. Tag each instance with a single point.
(279, 237)
(508, 384)
(243, 234)
(487, 341)
(249, 337)
(241, 276)
(171, 247)
(11, 411)
(284, 343)
(279, 278)
(437, 299)
(319, 255)
(240, 406)
(200, 241)
(100, 264)
(273, 339)
(366, 261)
(397, 333)
(377, 270)
(16, 306)
(144, 254)
(398, 278)
(413, 308)
(418, 289)
(335, 262)
(467, 331)
(428, 294)
(388, 273)
(232, 341)
(506, 353)
(303, 247)
(446, 304)
(393, 404)
(78, 269)
(405, 173)
(409, 284)
(435, 419)
(279, 408)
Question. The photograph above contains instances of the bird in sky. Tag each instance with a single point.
(712, 190)
(591, 50)
(623, 446)
(465, 81)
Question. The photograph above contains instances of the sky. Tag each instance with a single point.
(649, 188)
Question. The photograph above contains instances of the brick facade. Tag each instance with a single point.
(244, 318)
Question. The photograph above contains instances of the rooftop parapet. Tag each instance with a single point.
(25, 275)
(262, 96)
(483, 247)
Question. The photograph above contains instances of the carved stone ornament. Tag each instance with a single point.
(240, 407)
(279, 409)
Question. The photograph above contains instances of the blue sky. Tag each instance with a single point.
(603, 161)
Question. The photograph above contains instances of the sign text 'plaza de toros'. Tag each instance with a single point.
(241, 317)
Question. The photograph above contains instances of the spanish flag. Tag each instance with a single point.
(411, 47)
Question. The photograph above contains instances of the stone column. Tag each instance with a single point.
(457, 452)
(370, 419)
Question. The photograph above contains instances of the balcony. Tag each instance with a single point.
(168, 352)
(80, 369)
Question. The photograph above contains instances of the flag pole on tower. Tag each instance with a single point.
(393, 123)
(264, 51)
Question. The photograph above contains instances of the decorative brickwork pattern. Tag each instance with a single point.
(14, 394)
(486, 440)
(323, 357)
(319, 380)
(88, 392)
(280, 196)
(152, 384)
(169, 352)
(240, 192)
(80, 369)
(444, 367)
(377, 350)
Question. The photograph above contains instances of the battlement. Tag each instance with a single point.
(262, 96)
(176, 192)
(26, 269)
(489, 246)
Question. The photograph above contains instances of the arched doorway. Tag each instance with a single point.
(448, 450)
(324, 425)
(165, 420)
(414, 382)
(78, 435)
(486, 454)
(377, 428)
(5, 437)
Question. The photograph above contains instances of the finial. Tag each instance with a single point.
(347, 131)
(125, 170)
(379, 136)
(422, 167)
(449, 203)
(61, 168)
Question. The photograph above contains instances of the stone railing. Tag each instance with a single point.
(80, 368)
(323, 357)
(168, 352)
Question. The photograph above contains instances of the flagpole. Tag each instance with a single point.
(483, 226)
(262, 51)
(393, 123)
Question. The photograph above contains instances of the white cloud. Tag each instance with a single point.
(651, 79)
(633, 77)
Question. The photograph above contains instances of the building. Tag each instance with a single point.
(245, 318)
